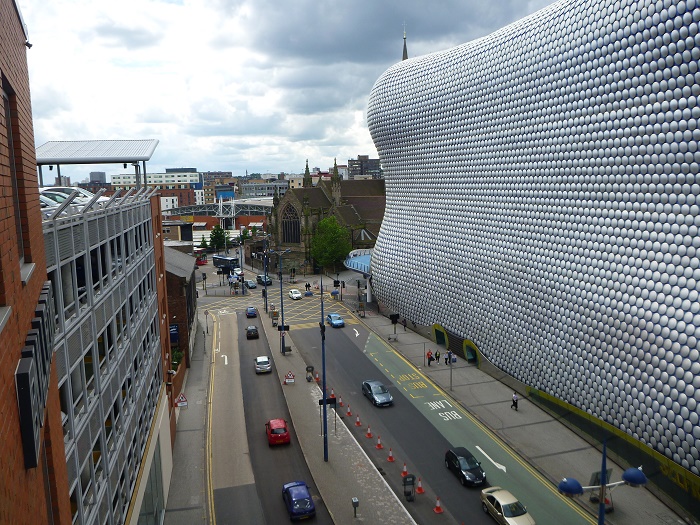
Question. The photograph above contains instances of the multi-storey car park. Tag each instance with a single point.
(542, 194)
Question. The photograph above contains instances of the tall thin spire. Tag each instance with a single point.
(405, 49)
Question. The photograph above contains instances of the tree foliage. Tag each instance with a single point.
(204, 244)
(331, 243)
(217, 238)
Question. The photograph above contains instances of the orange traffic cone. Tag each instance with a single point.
(404, 472)
(348, 412)
(379, 442)
(391, 457)
(317, 379)
(369, 432)
(341, 401)
(357, 421)
(438, 508)
(419, 488)
(332, 393)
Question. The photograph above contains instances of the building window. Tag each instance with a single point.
(10, 107)
(291, 229)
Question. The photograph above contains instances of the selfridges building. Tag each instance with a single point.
(542, 201)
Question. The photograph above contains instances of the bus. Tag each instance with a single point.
(228, 264)
(201, 255)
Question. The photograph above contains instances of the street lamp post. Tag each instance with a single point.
(265, 268)
(282, 329)
(634, 477)
(322, 324)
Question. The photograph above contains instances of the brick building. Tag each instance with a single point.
(33, 474)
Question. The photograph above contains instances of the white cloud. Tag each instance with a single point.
(231, 85)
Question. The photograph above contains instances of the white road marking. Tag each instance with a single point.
(497, 465)
(225, 359)
(357, 334)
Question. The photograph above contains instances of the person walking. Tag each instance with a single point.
(430, 357)
(404, 324)
(437, 356)
(514, 404)
(448, 357)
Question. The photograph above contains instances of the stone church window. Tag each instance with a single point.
(291, 228)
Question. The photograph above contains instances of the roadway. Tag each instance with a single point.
(421, 426)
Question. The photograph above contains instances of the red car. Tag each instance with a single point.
(277, 432)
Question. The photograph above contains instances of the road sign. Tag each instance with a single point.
(283, 333)
(181, 401)
(289, 378)
(206, 312)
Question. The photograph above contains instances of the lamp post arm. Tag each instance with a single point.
(608, 486)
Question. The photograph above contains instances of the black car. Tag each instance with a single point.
(252, 332)
(263, 279)
(465, 466)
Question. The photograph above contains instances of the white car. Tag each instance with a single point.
(82, 193)
(294, 294)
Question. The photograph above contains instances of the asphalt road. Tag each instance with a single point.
(263, 400)
(412, 437)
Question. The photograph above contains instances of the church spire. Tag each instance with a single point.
(308, 182)
(405, 49)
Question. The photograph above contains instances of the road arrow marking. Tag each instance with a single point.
(497, 465)
(225, 359)
(357, 334)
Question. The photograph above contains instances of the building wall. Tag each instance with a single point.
(109, 350)
(542, 187)
(38, 494)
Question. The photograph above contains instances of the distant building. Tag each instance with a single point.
(263, 188)
(364, 168)
(98, 176)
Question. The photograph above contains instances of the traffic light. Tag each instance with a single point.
(342, 284)
(336, 283)
(264, 293)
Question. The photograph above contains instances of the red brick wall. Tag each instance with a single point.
(162, 291)
(24, 496)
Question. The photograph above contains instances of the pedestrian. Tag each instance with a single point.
(437, 356)
(430, 357)
(448, 357)
(404, 324)
(514, 404)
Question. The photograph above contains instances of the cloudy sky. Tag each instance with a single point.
(232, 85)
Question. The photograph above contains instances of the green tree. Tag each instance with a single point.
(331, 243)
(204, 244)
(217, 238)
(245, 235)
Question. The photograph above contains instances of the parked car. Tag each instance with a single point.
(465, 466)
(264, 279)
(377, 393)
(504, 507)
(251, 332)
(250, 284)
(82, 193)
(298, 500)
(277, 432)
(263, 364)
(335, 320)
(58, 197)
(251, 311)
(294, 294)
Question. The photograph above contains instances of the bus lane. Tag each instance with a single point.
(503, 466)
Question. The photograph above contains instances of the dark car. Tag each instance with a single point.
(263, 279)
(465, 466)
(298, 500)
(252, 332)
(251, 311)
(250, 284)
(377, 393)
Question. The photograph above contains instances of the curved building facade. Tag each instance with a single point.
(543, 201)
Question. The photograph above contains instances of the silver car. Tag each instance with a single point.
(377, 393)
(262, 364)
